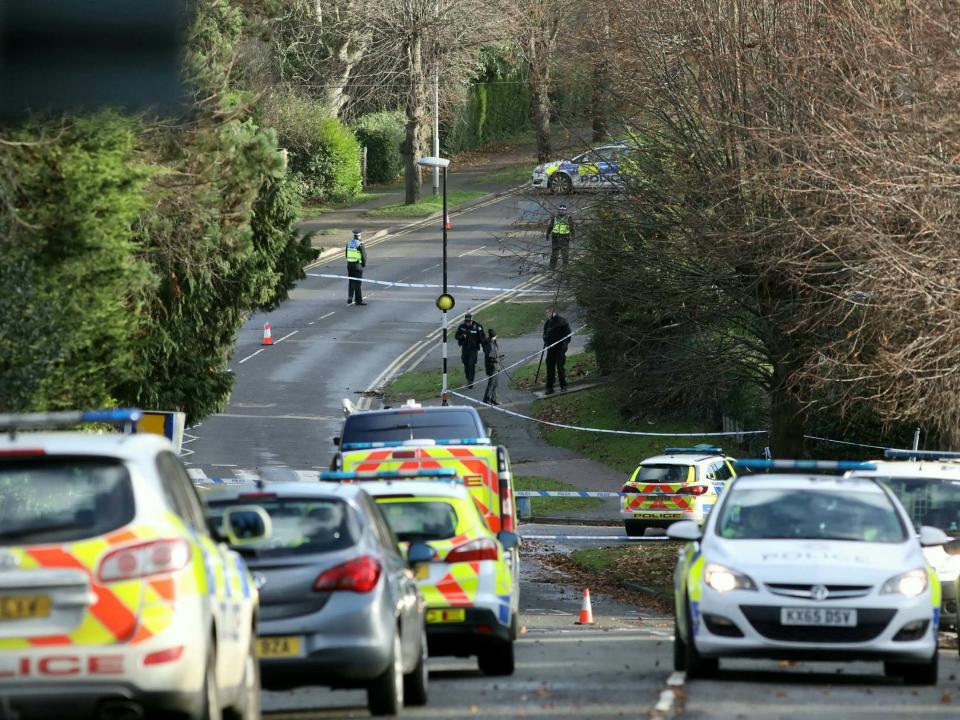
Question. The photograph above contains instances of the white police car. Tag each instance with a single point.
(807, 567)
(596, 169)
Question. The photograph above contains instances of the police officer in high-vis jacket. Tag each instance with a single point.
(559, 233)
(356, 261)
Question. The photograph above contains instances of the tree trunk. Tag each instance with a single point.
(787, 420)
(599, 100)
(540, 97)
(416, 114)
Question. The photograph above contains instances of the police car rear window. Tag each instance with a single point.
(62, 499)
(300, 526)
(383, 427)
(663, 474)
(420, 521)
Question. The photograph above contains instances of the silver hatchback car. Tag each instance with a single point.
(338, 603)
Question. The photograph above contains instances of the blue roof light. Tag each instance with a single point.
(419, 442)
(67, 418)
(695, 450)
(921, 454)
(804, 465)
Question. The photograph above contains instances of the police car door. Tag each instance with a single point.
(588, 170)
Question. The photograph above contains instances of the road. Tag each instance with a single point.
(286, 407)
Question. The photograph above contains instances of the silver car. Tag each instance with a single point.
(338, 603)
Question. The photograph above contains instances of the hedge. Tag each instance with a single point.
(493, 111)
(381, 133)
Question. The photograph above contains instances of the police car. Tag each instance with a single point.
(681, 484)
(464, 569)
(596, 169)
(115, 599)
(807, 567)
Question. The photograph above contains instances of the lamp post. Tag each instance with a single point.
(445, 302)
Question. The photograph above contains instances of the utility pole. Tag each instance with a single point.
(436, 116)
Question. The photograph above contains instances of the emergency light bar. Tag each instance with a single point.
(419, 442)
(348, 475)
(803, 465)
(695, 450)
(68, 418)
(921, 454)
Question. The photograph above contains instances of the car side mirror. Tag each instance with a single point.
(686, 530)
(336, 440)
(931, 536)
(508, 539)
(245, 525)
(418, 553)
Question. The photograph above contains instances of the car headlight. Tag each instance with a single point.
(910, 584)
(723, 579)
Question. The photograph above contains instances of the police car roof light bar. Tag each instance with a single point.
(804, 465)
(695, 450)
(348, 475)
(420, 442)
(921, 454)
(48, 421)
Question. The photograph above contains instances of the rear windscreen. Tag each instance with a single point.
(299, 525)
(664, 474)
(63, 499)
(420, 521)
(410, 425)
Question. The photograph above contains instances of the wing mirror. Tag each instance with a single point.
(418, 553)
(931, 536)
(245, 525)
(336, 440)
(508, 539)
(686, 530)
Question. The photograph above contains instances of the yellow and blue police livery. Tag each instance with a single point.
(807, 566)
(116, 599)
(596, 169)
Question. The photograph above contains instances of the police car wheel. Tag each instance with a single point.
(915, 674)
(415, 682)
(634, 528)
(679, 649)
(695, 665)
(385, 693)
(561, 184)
(497, 660)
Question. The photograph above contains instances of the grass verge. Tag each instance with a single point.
(311, 210)
(511, 174)
(512, 319)
(553, 506)
(580, 367)
(428, 204)
(425, 384)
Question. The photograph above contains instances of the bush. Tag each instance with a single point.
(381, 133)
(494, 111)
(323, 152)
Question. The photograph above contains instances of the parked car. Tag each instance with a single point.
(410, 422)
(339, 604)
(596, 169)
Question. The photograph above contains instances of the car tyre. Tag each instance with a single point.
(415, 682)
(385, 693)
(695, 665)
(249, 707)
(497, 660)
(635, 528)
(561, 184)
(679, 649)
(915, 674)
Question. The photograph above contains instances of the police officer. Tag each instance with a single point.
(356, 261)
(492, 360)
(470, 339)
(559, 234)
(556, 338)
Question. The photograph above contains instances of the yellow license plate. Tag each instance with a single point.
(270, 647)
(446, 615)
(421, 572)
(18, 607)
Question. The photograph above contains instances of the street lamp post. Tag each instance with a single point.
(445, 302)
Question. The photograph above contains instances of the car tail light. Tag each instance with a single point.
(26, 452)
(474, 551)
(157, 557)
(358, 575)
(630, 490)
(164, 656)
(692, 490)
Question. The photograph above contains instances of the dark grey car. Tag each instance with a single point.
(338, 603)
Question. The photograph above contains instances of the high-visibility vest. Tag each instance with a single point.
(561, 226)
(353, 251)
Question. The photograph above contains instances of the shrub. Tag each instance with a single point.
(381, 133)
(493, 111)
(323, 152)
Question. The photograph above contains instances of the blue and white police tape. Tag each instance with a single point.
(565, 493)
(605, 430)
(526, 291)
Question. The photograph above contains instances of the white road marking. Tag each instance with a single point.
(250, 356)
(327, 315)
(222, 465)
(196, 474)
(286, 336)
(430, 268)
(664, 706)
(471, 252)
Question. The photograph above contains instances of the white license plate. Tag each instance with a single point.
(818, 616)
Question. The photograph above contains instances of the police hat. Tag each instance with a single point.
(562, 207)
(357, 232)
(468, 316)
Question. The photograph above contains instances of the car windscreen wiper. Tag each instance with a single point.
(41, 529)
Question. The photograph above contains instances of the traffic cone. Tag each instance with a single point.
(446, 222)
(267, 337)
(586, 611)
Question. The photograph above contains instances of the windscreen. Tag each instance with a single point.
(62, 499)
(299, 525)
(420, 521)
(665, 474)
(929, 501)
(411, 425)
(809, 514)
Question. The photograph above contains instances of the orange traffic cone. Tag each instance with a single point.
(586, 611)
(446, 222)
(267, 337)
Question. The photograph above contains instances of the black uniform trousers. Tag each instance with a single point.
(469, 358)
(354, 293)
(556, 360)
(559, 246)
